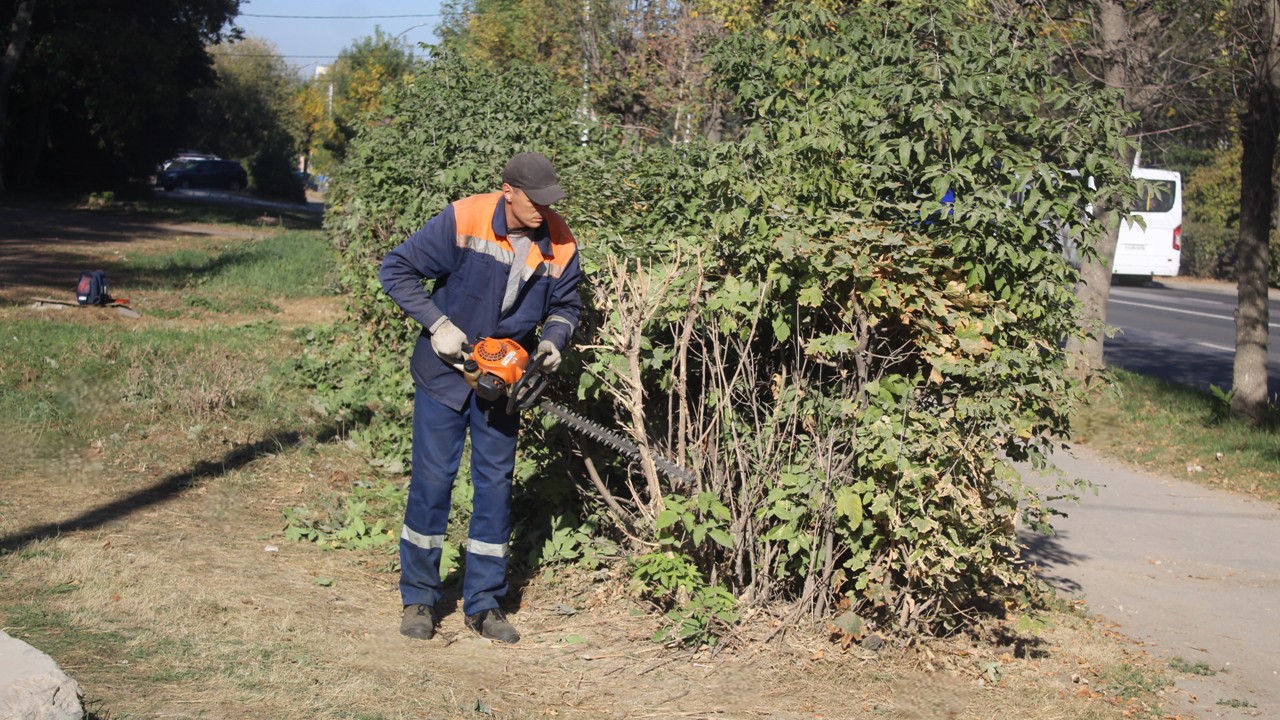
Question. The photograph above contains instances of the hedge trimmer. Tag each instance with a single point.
(497, 367)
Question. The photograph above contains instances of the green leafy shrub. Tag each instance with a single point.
(363, 519)
(1211, 224)
(271, 170)
(1208, 250)
(699, 613)
(847, 362)
(1212, 192)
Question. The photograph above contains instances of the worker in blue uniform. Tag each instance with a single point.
(505, 265)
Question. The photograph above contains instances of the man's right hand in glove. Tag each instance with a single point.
(447, 340)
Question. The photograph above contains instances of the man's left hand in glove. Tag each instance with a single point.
(550, 355)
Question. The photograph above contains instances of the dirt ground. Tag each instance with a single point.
(151, 565)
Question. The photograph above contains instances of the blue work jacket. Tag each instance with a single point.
(465, 251)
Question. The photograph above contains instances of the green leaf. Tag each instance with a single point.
(666, 519)
(849, 505)
(721, 537)
(849, 623)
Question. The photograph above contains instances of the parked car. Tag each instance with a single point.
(184, 157)
(219, 174)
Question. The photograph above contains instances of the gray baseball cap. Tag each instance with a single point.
(532, 173)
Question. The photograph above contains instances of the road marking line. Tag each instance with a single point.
(1184, 312)
(1212, 302)
(1216, 347)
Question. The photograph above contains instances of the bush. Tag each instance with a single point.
(847, 363)
(1208, 251)
(1212, 194)
(272, 171)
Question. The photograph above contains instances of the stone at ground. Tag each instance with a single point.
(33, 687)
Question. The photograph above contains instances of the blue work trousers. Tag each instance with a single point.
(439, 433)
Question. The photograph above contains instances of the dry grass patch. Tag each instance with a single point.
(179, 608)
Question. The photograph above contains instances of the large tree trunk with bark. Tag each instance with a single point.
(19, 30)
(1095, 273)
(1259, 129)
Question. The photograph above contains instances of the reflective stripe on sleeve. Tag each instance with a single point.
(426, 542)
(557, 318)
(476, 547)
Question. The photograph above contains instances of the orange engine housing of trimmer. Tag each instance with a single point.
(495, 366)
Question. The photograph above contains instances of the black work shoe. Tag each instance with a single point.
(493, 625)
(419, 622)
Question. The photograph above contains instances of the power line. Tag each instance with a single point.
(272, 55)
(342, 17)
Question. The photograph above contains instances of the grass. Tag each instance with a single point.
(171, 606)
(1181, 432)
(1183, 665)
(66, 385)
(1135, 684)
(293, 264)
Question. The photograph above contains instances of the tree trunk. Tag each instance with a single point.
(1093, 290)
(18, 33)
(1259, 128)
(1095, 273)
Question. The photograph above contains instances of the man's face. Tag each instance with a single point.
(525, 212)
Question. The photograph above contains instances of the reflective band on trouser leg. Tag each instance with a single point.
(493, 458)
(426, 542)
(483, 548)
(438, 435)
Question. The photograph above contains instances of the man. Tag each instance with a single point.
(505, 265)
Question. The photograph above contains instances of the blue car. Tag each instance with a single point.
(216, 174)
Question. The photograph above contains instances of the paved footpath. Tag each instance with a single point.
(1191, 571)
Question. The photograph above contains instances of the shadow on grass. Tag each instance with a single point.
(168, 488)
(182, 272)
(226, 210)
(63, 236)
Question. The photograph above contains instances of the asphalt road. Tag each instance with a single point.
(244, 199)
(1182, 331)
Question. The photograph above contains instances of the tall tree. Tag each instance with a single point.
(1095, 271)
(101, 89)
(19, 30)
(256, 97)
(338, 103)
(1259, 129)
(639, 62)
(1142, 51)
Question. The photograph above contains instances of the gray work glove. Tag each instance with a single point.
(551, 360)
(447, 340)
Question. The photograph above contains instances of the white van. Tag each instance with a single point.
(1157, 248)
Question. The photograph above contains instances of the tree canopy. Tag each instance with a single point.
(338, 102)
(254, 97)
(102, 89)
